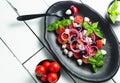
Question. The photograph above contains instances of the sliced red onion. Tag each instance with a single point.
(74, 50)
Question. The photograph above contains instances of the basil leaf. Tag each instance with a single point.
(66, 22)
(86, 25)
(114, 5)
(98, 33)
(98, 56)
(113, 18)
(91, 60)
(100, 63)
(57, 24)
(94, 25)
(89, 31)
(94, 68)
(53, 26)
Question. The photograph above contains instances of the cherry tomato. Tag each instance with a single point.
(74, 10)
(84, 60)
(76, 55)
(78, 19)
(60, 30)
(40, 70)
(60, 40)
(54, 67)
(52, 77)
(44, 78)
(99, 43)
(69, 48)
(46, 64)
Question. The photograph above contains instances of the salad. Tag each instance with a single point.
(80, 39)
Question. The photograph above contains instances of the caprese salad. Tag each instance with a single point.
(80, 38)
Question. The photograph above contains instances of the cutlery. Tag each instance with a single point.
(32, 16)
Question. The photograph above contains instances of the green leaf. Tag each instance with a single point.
(113, 18)
(53, 26)
(98, 56)
(112, 11)
(114, 5)
(57, 24)
(91, 60)
(66, 22)
(89, 31)
(100, 63)
(94, 68)
(98, 33)
(94, 25)
(86, 25)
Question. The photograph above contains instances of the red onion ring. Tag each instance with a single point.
(77, 50)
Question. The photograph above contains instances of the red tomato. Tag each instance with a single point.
(52, 77)
(99, 43)
(84, 61)
(61, 41)
(44, 78)
(46, 64)
(76, 55)
(60, 30)
(54, 67)
(69, 48)
(40, 70)
(78, 19)
(74, 10)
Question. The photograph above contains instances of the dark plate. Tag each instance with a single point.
(85, 72)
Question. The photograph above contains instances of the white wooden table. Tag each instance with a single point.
(22, 45)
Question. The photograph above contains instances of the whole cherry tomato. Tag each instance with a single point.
(54, 67)
(44, 78)
(40, 70)
(52, 77)
(46, 64)
(74, 10)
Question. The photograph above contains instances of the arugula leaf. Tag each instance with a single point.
(57, 24)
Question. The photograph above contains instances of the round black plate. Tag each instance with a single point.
(85, 72)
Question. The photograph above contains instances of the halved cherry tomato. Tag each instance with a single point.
(52, 77)
(99, 43)
(54, 67)
(78, 19)
(60, 30)
(76, 55)
(40, 70)
(68, 46)
(84, 60)
(61, 40)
